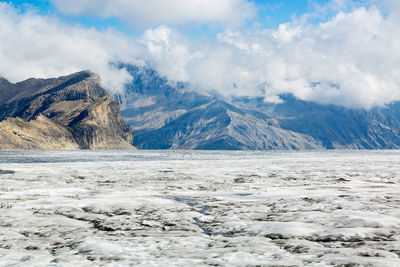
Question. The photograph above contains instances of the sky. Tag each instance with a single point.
(343, 52)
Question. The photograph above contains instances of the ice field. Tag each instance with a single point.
(198, 208)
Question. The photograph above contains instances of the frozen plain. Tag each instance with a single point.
(194, 208)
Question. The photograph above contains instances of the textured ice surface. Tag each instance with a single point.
(180, 208)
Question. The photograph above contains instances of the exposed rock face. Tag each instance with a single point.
(16, 133)
(71, 112)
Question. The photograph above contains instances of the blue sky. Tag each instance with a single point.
(45, 7)
(275, 12)
(270, 13)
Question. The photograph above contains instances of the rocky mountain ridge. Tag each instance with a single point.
(69, 112)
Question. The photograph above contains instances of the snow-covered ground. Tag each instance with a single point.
(187, 208)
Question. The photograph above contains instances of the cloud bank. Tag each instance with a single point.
(352, 59)
(146, 13)
(36, 46)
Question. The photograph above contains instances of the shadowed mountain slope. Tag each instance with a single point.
(166, 114)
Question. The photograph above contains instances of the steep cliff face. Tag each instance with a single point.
(69, 112)
(99, 126)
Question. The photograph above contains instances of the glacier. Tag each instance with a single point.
(200, 208)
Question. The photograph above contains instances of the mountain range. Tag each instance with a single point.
(173, 115)
(76, 112)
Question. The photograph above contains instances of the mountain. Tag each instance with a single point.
(334, 126)
(174, 115)
(151, 101)
(219, 125)
(70, 112)
(75, 112)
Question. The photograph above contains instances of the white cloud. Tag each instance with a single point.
(35, 46)
(350, 60)
(145, 13)
(391, 4)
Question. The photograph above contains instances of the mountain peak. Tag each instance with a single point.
(76, 105)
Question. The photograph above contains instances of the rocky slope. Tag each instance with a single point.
(334, 126)
(152, 101)
(70, 112)
(173, 115)
(166, 114)
(218, 125)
